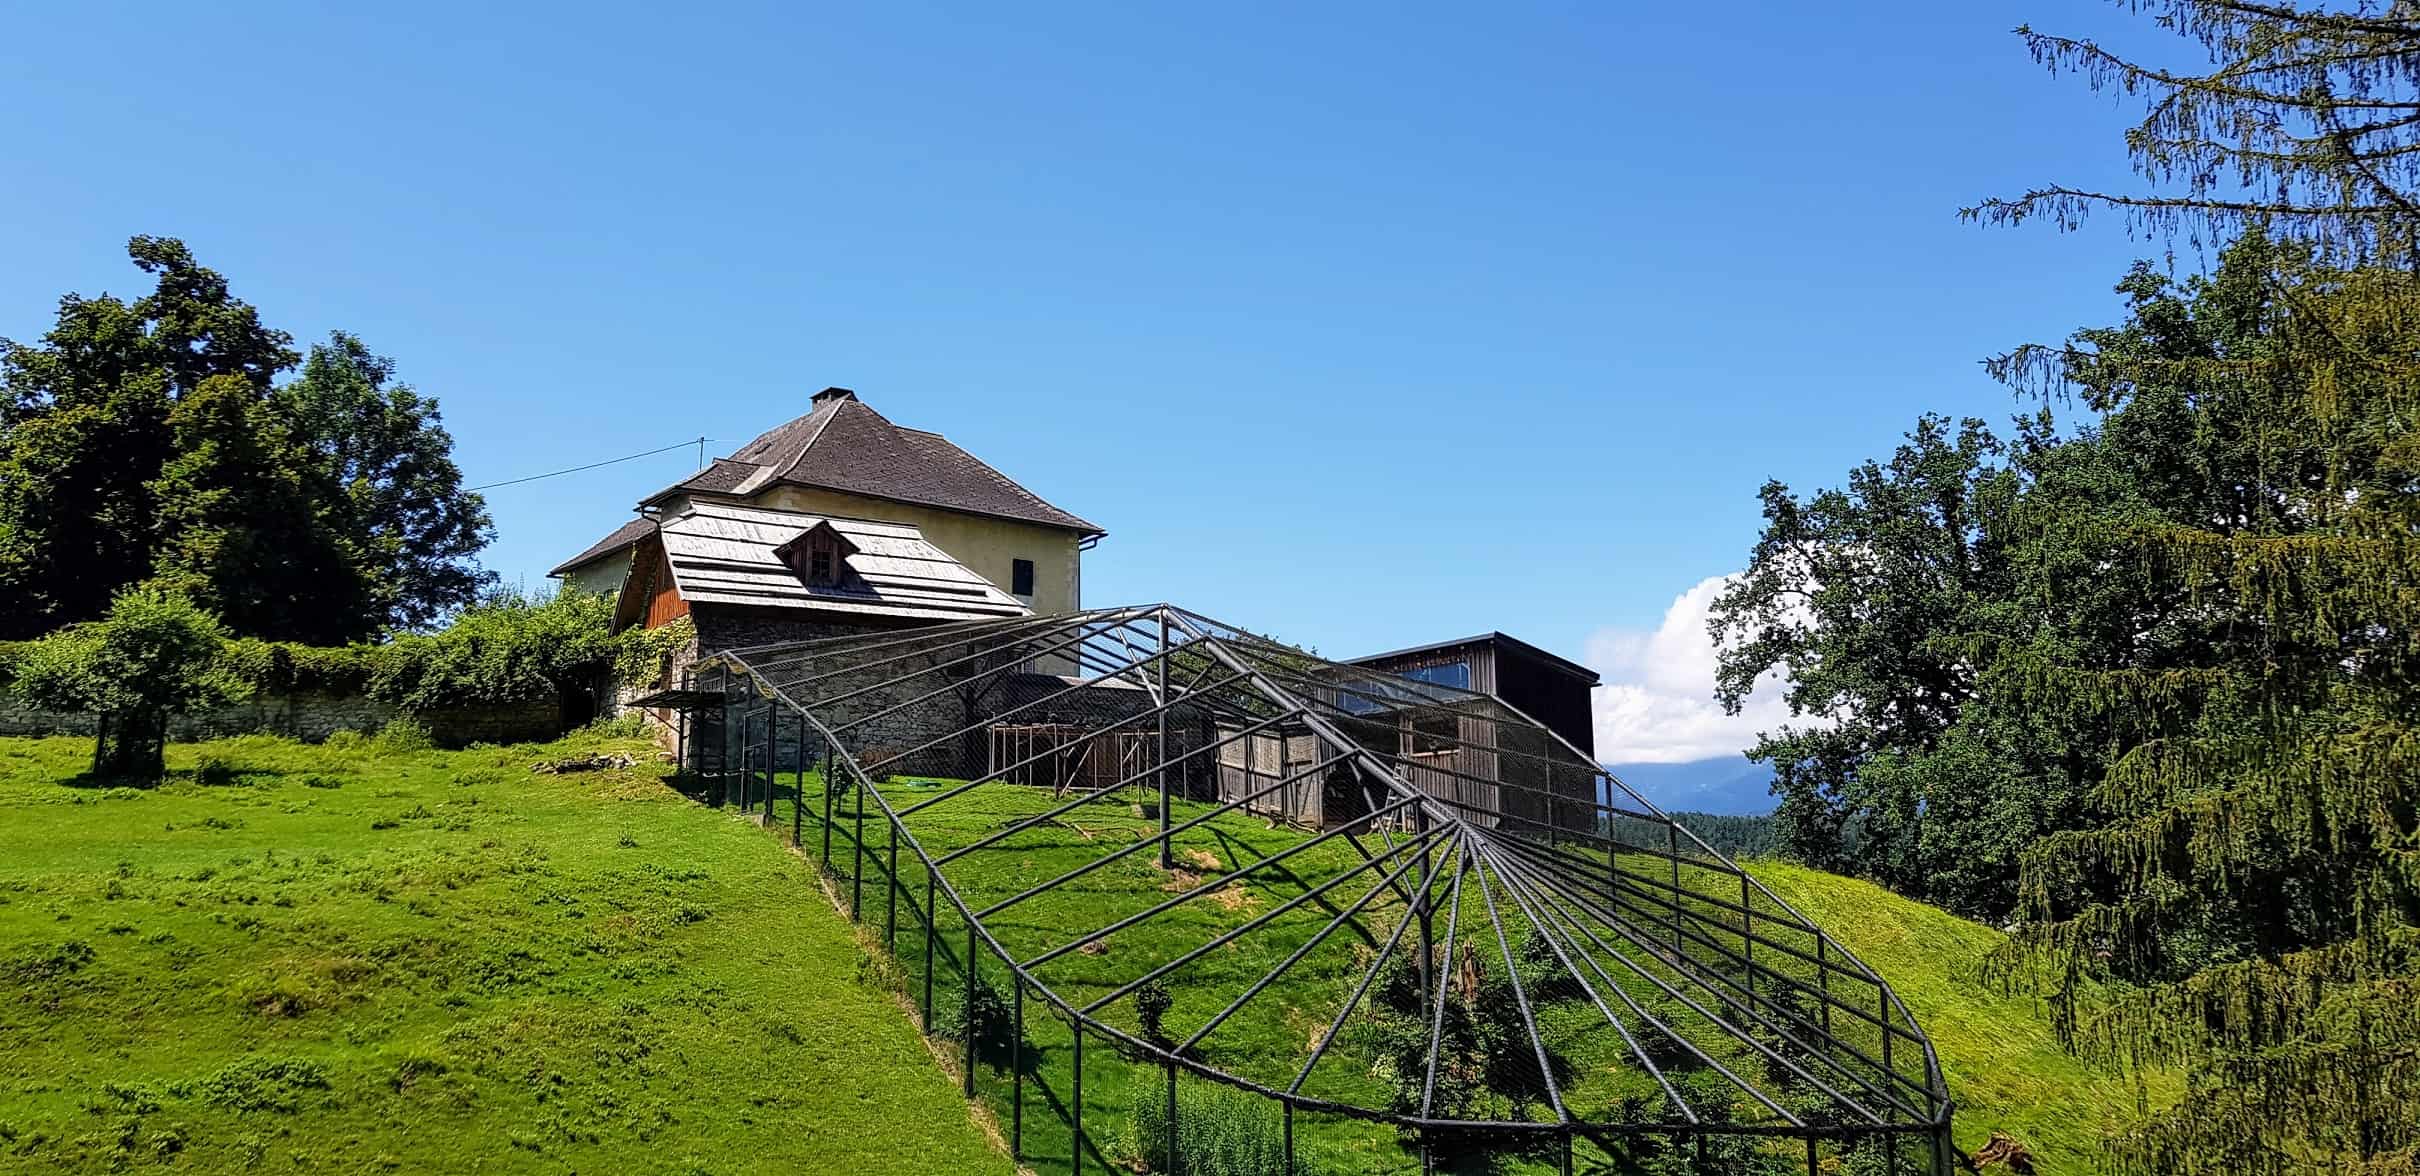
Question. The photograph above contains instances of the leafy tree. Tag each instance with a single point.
(152, 657)
(240, 528)
(385, 469)
(84, 429)
(1859, 593)
(129, 424)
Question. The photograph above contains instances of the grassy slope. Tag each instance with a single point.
(2005, 1069)
(329, 960)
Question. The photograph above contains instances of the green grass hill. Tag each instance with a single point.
(2004, 1066)
(362, 958)
(367, 956)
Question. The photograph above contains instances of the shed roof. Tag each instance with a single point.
(843, 445)
(622, 539)
(1498, 639)
(725, 554)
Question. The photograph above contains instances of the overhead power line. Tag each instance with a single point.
(700, 442)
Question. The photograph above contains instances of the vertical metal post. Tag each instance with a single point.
(1747, 938)
(722, 737)
(1823, 981)
(1427, 905)
(931, 945)
(1289, 1117)
(1016, 1073)
(1890, 1075)
(1941, 1146)
(772, 755)
(890, 895)
(823, 783)
(857, 871)
(1162, 770)
(1672, 842)
(1812, 1168)
(1567, 1151)
(969, 1024)
(747, 723)
(1289, 796)
(798, 790)
(1075, 1165)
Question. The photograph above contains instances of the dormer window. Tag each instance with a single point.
(819, 556)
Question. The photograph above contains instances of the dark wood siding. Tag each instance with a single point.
(664, 605)
(1550, 695)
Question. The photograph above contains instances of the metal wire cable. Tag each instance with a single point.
(698, 441)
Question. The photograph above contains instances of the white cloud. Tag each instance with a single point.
(1657, 704)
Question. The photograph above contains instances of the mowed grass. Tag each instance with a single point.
(1286, 901)
(333, 959)
(1267, 1040)
(2003, 1065)
(2005, 1069)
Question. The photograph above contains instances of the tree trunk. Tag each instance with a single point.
(130, 745)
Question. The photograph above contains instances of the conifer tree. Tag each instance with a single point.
(2248, 904)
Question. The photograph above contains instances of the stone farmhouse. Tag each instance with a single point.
(838, 522)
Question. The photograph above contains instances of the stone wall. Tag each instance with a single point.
(313, 717)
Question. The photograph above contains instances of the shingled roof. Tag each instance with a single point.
(843, 445)
(725, 554)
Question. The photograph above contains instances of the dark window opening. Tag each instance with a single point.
(1021, 577)
(1433, 734)
(819, 568)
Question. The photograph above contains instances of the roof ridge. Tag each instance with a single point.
(838, 407)
(875, 457)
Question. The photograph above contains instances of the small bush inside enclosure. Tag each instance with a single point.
(1486, 1064)
(1151, 1004)
(1220, 1131)
(1713, 1153)
(403, 737)
(994, 1023)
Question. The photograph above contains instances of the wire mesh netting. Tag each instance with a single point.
(1186, 899)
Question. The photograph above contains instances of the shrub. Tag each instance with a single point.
(45, 961)
(263, 1084)
(404, 736)
(629, 725)
(994, 1024)
(1220, 1131)
(153, 656)
(508, 648)
(1486, 1064)
(1151, 1004)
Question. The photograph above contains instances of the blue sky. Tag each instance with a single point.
(1367, 326)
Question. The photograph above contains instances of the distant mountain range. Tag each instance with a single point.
(1730, 785)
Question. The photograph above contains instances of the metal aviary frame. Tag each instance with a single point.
(1411, 919)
